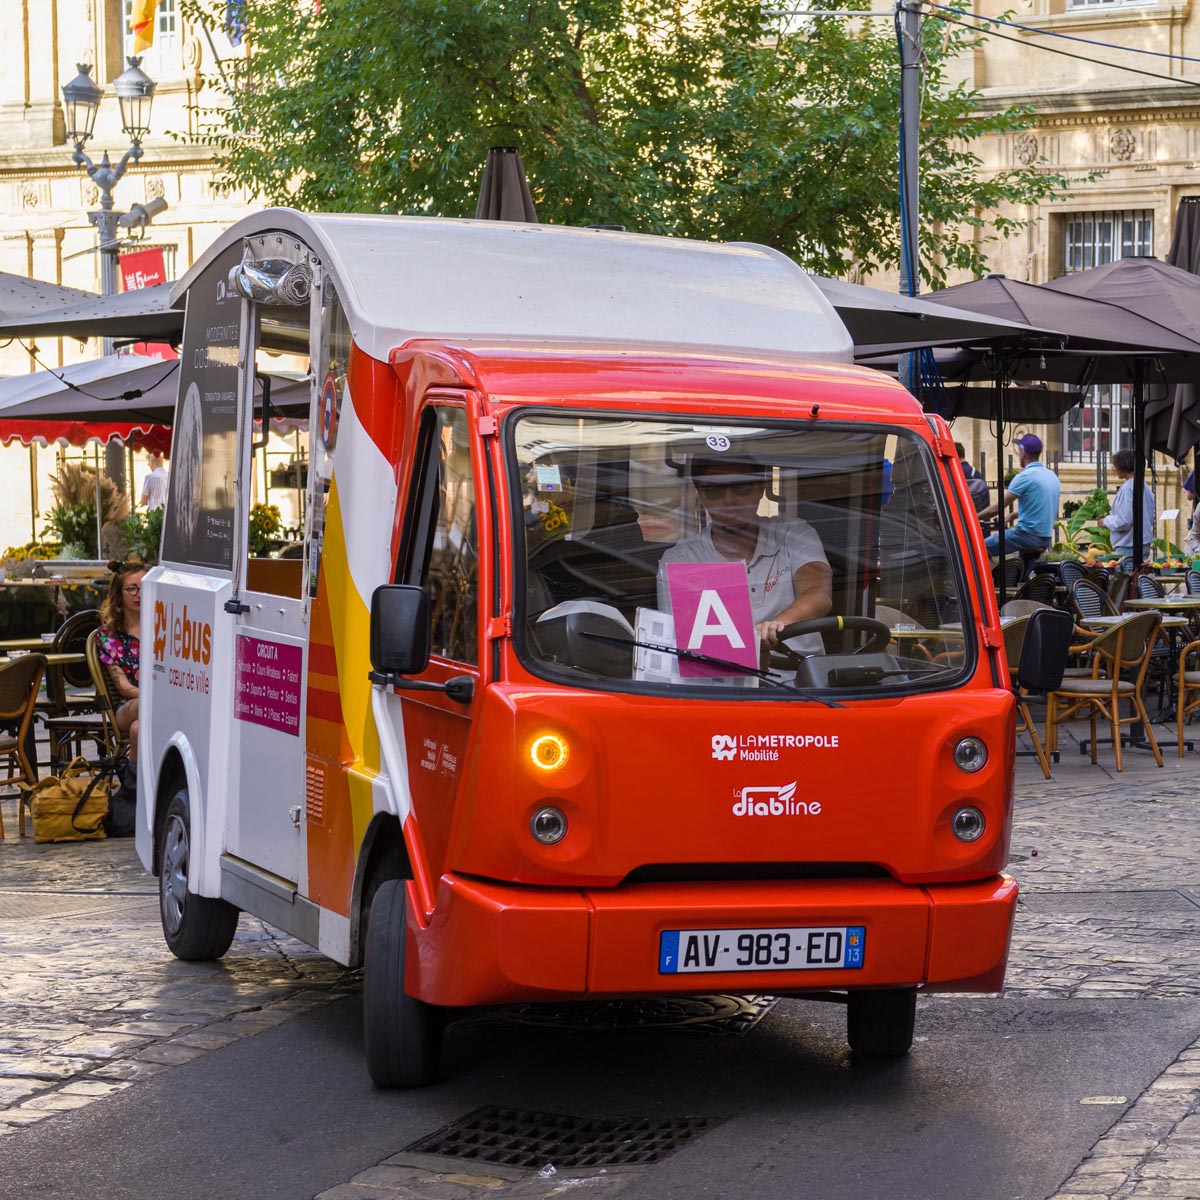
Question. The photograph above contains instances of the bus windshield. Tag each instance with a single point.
(789, 558)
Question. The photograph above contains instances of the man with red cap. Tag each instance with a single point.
(1035, 490)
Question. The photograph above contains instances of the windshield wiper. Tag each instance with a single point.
(711, 661)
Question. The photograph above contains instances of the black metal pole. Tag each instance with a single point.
(1139, 463)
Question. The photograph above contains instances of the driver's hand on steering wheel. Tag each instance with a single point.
(768, 633)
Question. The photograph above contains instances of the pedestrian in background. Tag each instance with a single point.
(1035, 489)
(154, 490)
(981, 494)
(1119, 521)
(1191, 544)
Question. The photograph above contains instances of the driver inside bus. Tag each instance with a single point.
(788, 572)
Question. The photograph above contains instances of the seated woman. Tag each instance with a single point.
(117, 641)
(789, 575)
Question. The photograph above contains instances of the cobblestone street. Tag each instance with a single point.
(1110, 909)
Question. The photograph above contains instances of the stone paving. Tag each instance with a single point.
(92, 1001)
(1110, 908)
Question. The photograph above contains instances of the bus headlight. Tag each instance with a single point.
(970, 755)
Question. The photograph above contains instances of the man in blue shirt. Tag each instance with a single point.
(1119, 521)
(1035, 489)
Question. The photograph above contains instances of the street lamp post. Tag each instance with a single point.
(81, 101)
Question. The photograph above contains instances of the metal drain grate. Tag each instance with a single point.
(513, 1138)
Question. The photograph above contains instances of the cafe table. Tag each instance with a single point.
(29, 643)
(1164, 604)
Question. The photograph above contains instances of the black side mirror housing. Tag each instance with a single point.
(399, 629)
(1048, 638)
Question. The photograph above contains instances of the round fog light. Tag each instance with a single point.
(548, 826)
(968, 824)
(970, 755)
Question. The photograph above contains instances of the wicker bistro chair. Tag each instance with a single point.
(1188, 699)
(1041, 587)
(1012, 571)
(1120, 650)
(1192, 582)
(1022, 608)
(1014, 641)
(1088, 600)
(1069, 571)
(1036, 646)
(116, 741)
(1149, 588)
(20, 682)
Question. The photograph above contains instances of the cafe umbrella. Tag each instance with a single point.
(1181, 406)
(1094, 342)
(1150, 289)
(504, 192)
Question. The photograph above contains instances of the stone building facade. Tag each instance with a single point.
(45, 198)
(1137, 134)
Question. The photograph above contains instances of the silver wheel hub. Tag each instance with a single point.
(172, 880)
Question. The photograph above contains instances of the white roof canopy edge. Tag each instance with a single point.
(490, 281)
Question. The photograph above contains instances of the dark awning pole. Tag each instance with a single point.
(1139, 463)
(1001, 396)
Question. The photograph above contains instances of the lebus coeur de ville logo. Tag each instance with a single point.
(765, 747)
(774, 802)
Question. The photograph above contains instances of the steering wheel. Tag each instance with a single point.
(879, 634)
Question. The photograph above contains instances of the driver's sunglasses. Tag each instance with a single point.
(739, 487)
(132, 589)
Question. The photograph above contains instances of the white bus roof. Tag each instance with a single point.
(424, 277)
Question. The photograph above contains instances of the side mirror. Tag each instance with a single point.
(399, 630)
(1048, 638)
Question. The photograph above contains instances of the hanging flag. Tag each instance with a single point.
(235, 21)
(141, 24)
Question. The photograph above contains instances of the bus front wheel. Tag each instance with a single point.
(196, 928)
(880, 1024)
(402, 1035)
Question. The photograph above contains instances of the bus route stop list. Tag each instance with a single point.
(267, 684)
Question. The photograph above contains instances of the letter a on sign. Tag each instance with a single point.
(711, 606)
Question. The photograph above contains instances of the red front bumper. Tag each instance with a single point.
(491, 943)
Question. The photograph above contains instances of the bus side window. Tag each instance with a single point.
(442, 551)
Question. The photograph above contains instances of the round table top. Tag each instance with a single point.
(1163, 603)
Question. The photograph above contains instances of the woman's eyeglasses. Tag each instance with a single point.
(132, 589)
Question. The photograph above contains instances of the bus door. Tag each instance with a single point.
(440, 552)
(269, 608)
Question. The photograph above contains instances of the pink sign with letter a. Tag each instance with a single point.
(711, 606)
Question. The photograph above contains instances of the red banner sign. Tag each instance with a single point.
(143, 269)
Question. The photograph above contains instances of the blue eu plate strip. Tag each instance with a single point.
(668, 952)
(856, 942)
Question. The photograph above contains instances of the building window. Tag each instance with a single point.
(163, 58)
(1076, 4)
(1103, 423)
(1093, 239)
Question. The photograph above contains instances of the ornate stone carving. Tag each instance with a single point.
(1025, 148)
(1122, 143)
(91, 194)
(30, 195)
(193, 53)
(155, 188)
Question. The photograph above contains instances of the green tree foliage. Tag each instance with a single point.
(707, 120)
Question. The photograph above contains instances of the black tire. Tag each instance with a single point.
(880, 1024)
(402, 1036)
(196, 928)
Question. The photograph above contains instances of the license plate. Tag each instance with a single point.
(816, 948)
